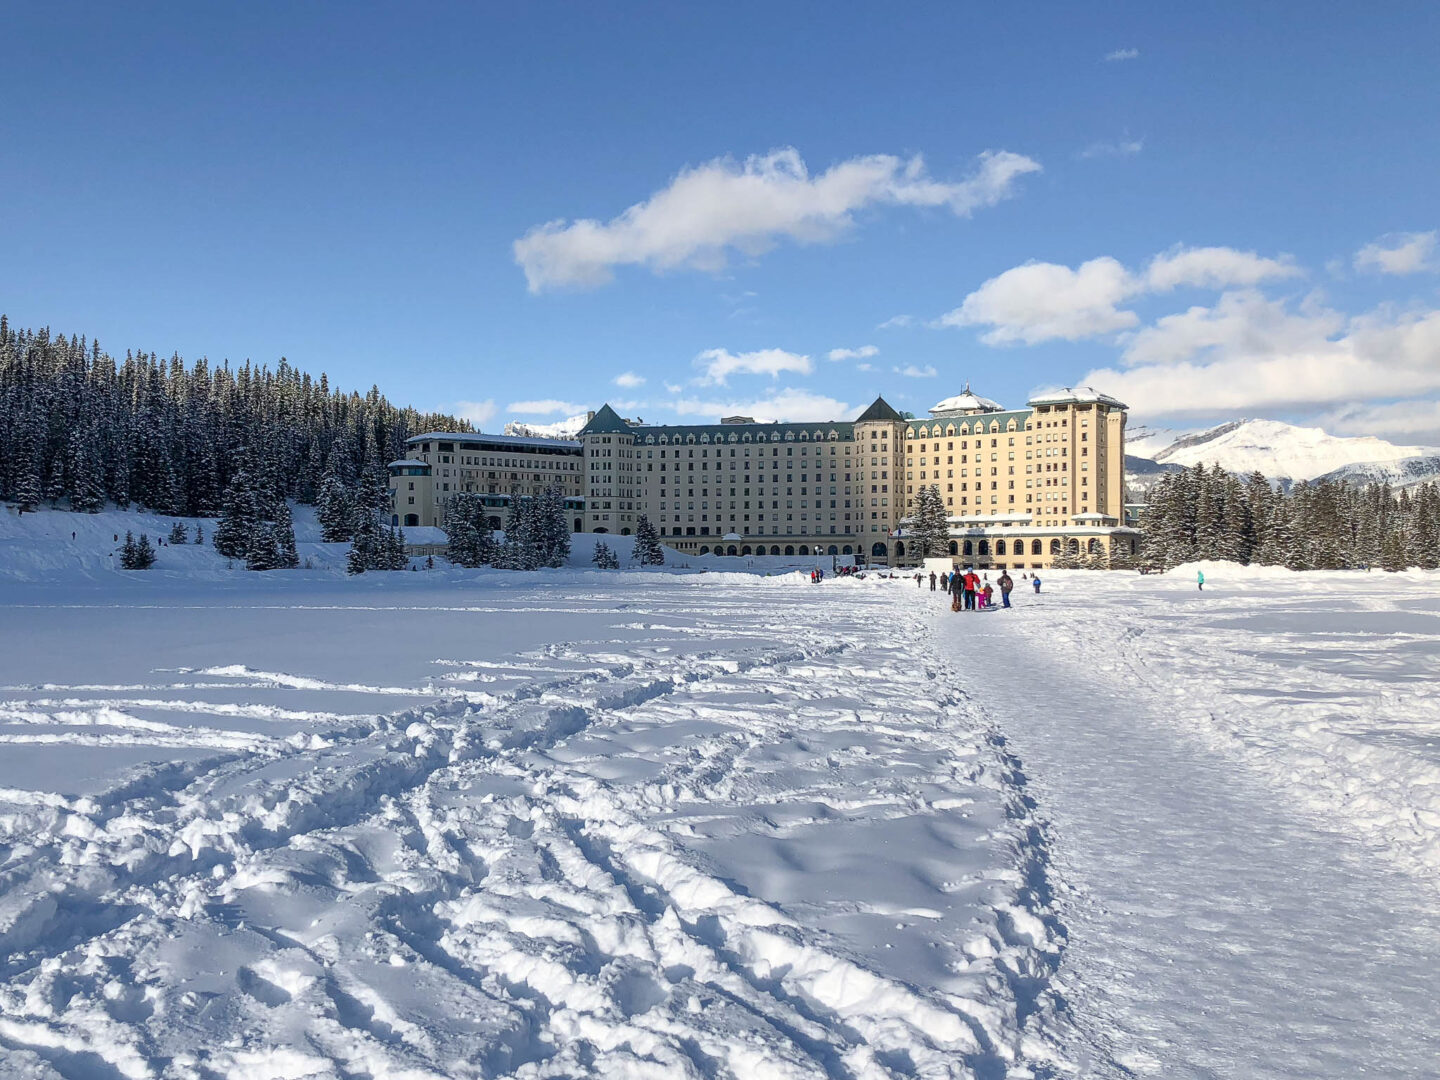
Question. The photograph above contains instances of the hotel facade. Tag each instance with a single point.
(1021, 488)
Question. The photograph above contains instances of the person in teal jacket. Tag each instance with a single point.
(1200, 579)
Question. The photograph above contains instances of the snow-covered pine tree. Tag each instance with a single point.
(551, 528)
(647, 549)
(930, 532)
(604, 558)
(178, 534)
(335, 508)
(137, 554)
(519, 551)
(199, 535)
(284, 526)
(239, 518)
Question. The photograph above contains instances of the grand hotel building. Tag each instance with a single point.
(1020, 486)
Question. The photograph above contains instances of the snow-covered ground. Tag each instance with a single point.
(575, 823)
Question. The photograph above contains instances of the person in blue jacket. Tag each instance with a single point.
(1035, 580)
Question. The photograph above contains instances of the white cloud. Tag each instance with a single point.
(722, 206)
(864, 352)
(1403, 421)
(910, 371)
(478, 413)
(788, 405)
(1042, 301)
(897, 321)
(719, 364)
(1249, 353)
(629, 380)
(1118, 148)
(1398, 253)
(1121, 54)
(545, 405)
(1046, 301)
(864, 367)
(1214, 268)
(673, 388)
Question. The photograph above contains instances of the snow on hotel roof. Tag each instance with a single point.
(500, 441)
(1067, 395)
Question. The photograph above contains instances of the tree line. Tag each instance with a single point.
(79, 427)
(1207, 513)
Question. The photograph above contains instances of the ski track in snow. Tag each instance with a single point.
(754, 833)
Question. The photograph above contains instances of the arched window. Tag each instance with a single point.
(847, 550)
(1072, 546)
(579, 526)
(774, 549)
(412, 520)
(877, 550)
(1054, 547)
(789, 549)
(731, 550)
(704, 549)
(899, 549)
(601, 529)
(804, 549)
(969, 548)
(833, 550)
(984, 547)
(954, 548)
(394, 519)
(999, 547)
(745, 550)
(1036, 548)
(625, 532)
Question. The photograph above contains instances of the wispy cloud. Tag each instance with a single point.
(629, 380)
(789, 404)
(1039, 302)
(1398, 253)
(717, 365)
(1117, 148)
(708, 212)
(911, 371)
(1121, 54)
(896, 322)
(478, 413)
(864, 352)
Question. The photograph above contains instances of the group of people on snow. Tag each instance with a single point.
(970, 591)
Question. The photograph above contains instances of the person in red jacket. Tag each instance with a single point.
(972, 584)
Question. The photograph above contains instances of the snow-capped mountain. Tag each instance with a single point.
(1281, 451)
(561, 429)
(1145, 441)
(1406, 472)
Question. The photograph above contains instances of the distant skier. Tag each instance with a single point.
(1035, 580)
(1200, 580)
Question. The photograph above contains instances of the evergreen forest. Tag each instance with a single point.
(1208, 513)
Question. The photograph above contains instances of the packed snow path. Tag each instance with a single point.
(1242, 792)
(628, 826)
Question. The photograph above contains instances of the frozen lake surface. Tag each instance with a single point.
(648, 824)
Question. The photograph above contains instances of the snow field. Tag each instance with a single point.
(589, 825)
(1235, 783)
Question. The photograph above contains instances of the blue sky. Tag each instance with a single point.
(1211, 210)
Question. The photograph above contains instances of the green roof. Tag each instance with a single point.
(606, 422)
(977, 422)
(879, 410)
